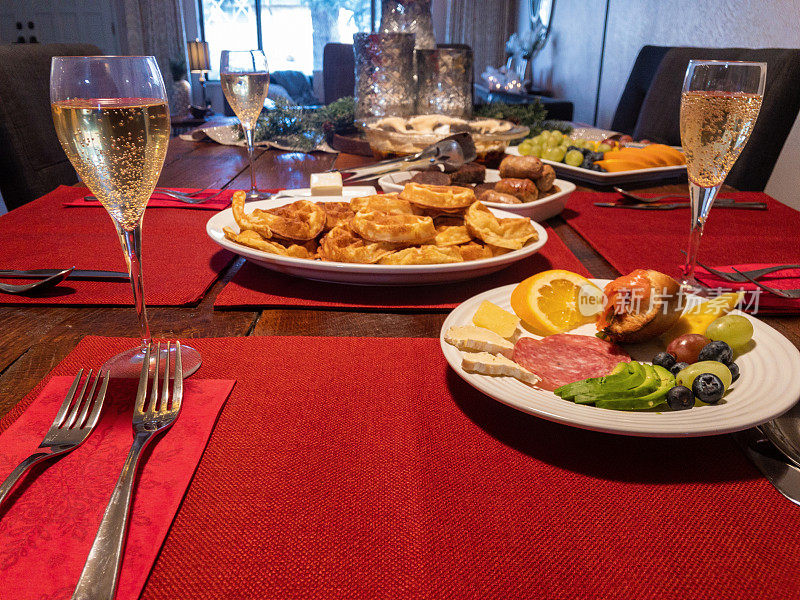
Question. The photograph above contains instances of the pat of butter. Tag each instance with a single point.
(326, 184)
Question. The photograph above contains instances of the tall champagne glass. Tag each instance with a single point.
(244, 76)
(112, 119)
(719, 107)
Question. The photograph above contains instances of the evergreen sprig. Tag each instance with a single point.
(533, 115)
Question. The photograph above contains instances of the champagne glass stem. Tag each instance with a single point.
(701, 199)
(248, 134)
(131, 240)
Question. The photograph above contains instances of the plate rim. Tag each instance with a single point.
(631, 423)
(315, 266)
(514, 151)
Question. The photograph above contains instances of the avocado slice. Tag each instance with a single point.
(654, 398)
(624, 376)
(649, 384)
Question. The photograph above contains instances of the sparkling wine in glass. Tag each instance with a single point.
(244, 77)
(111, 117)
(719, 107)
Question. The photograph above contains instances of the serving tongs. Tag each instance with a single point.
(451, 152)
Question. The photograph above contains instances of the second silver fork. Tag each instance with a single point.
(150, 416)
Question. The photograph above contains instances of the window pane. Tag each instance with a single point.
(228, 25)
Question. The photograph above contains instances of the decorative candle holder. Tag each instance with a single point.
(444, 78)
(409, 16)
(384, 74)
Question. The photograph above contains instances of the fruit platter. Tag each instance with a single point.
(578, 352)
(609, 161)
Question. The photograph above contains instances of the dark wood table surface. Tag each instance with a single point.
(33, 339)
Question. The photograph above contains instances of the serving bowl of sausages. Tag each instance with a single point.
(523, 185)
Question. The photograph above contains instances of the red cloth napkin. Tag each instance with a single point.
(635, 239)
(48, 524)
(158, 200)
(756, 300)
(255, 286)
(180, 261)
(365, 468)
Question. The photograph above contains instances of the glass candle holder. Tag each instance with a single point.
(409, 16)
(384, 74)
(444, 78)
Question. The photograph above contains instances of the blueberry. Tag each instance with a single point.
(718, 351)
(734, 369)
(664, 359)
(708, 388)
(680, 398)
(678, 367)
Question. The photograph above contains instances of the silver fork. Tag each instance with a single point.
(180, 196)
(649, 199)
(101, 572)
(792, 294)
(69, 430)
(741, 276)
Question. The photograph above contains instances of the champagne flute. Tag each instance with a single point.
(719, 107)
(112, 119)
(244, 77)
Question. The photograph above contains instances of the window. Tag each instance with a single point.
(292, 33)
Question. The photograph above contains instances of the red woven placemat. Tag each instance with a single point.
(636, 239)
(365, 468)
(180, 260)
(255, 286)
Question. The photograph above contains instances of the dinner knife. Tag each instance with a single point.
(674, 205)
(76, 274)
(784, 476)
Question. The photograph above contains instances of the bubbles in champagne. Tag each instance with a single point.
(245, 93)
(117, 146)
(715, 127)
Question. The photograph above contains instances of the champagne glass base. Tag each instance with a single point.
(257, 195)
(128, 364)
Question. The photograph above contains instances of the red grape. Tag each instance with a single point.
(686, 348)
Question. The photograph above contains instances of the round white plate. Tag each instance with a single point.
(359, 273)
(538, 210)
(600, 177)
(768, 386)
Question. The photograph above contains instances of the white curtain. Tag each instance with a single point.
(485, 25)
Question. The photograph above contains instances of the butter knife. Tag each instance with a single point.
(76, 274)
(674, 205)
(784, 476)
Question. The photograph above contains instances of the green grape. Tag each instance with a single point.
(687, 376)
(556, 136)
(525, 148)
(536, 151)
(573, 158)
(604, 147)
(554, 154)
(538, 139)
(734, 330)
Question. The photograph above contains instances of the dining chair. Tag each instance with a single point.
(642, 73)
(658, 119)
(32, 162)
(338, 71)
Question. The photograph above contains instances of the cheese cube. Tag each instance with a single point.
(326, 184)
(494, 318)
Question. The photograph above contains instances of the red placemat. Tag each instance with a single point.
(365, 468)
(180, 260)
(49, 522)
(255, 286)
(636, 239)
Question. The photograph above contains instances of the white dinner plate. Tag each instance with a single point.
(768, 386)
(361, 274)
(599, 177)
(538, 210)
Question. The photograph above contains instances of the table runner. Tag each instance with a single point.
(255, 286)
(635, 239)
(365, 468)
(180, 260)
(49, 523)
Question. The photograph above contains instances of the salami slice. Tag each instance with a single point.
(561, 359)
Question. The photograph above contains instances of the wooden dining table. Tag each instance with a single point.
(33, 339)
